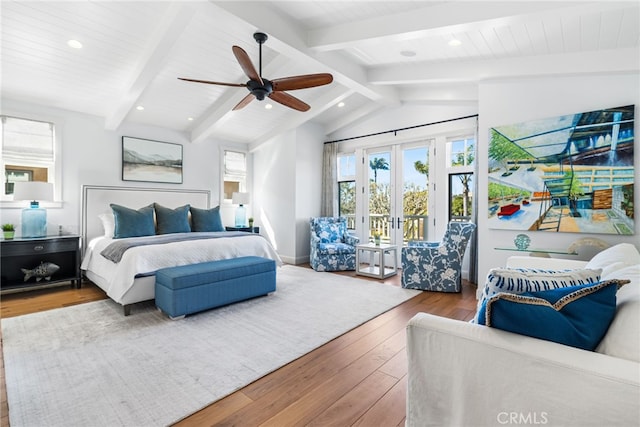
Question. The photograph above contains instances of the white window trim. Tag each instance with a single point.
(57, 162)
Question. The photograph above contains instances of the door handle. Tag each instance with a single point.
(399, 221)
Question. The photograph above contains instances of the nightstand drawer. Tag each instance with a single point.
(38, 247)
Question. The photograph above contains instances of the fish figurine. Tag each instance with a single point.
(44, 270)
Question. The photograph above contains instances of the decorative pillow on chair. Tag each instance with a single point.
(206, 219)
(521, 280)
(172, 220)
(131, 222)
(578, 316)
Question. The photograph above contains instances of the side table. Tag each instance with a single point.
(375, 265)
(29, 253)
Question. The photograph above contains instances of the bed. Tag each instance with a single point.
(131, 279)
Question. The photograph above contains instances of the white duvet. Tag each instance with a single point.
(145, 260)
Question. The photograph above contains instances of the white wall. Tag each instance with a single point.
(287, 180)
(515, 101)
(93, 155)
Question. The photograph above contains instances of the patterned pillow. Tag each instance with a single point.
(578, 316)
(172, 220)
(131, 222)
(206, 219)
(521, 280)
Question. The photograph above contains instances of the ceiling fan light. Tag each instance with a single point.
(268, 106)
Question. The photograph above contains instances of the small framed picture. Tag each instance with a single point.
(151, 161)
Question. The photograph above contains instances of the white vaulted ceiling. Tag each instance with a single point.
(381, 54)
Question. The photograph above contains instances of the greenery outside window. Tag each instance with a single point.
(461, 157)
(347, 188)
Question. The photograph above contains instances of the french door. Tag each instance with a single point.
(397, 192)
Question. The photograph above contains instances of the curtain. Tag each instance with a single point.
(329, 205)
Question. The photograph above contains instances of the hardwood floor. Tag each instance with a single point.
(357, 379)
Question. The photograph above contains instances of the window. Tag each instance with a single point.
(461, 152)
(28, 153)
(347, 188)
(461, 157)
(235, 173)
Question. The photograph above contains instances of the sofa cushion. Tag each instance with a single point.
(623, 337)
(335, 249)
(521, 280)
(614, 258)
(172, 220)
(578, 316)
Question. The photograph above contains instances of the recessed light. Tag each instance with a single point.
(74, 44)
(268, 106)
(408, 53)
(190, 119)
(341, 104)
(454, 42)
(139, 108)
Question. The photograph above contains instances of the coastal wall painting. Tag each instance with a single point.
(571, 173)
(151, 161)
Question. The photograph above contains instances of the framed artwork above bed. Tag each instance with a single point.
(151, 161)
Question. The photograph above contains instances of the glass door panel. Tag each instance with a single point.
(414, 197)
(380, 206)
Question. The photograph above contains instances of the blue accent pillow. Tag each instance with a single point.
(206, 219)
(131, 222)
(172, 220)
(578, 316)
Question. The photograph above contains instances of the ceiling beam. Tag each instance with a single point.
(441, 19)
(287, 38)
(321, 104)
(611, 61)
(167, 32)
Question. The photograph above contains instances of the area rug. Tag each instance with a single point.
(88, 365)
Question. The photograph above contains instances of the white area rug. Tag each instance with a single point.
(88, 365)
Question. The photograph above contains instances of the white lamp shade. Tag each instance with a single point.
(240, 198)
(33, 190)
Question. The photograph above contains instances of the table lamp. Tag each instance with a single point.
(34, 218)
(240, 199)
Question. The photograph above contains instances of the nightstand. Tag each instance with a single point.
(29, 253)
(247, 229)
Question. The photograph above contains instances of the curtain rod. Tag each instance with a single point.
(394, 131)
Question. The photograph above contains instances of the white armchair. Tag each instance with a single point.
(465, 374)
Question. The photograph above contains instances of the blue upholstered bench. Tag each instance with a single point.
(192, 288)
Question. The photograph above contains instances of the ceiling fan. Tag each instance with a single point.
(260, 87)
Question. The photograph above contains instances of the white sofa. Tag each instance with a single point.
(465, 374)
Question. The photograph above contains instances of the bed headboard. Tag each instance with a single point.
(96, 200)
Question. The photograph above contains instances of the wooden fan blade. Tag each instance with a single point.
(302, 82)
(214, 83)
(244, 102)
(246, 64)
(289, 101)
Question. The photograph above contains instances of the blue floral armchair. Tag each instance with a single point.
(437, 266)
(332, 247)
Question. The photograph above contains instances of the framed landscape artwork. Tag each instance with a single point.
(572, 173)
(151, 161)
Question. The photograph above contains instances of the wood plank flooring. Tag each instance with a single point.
(357, 379)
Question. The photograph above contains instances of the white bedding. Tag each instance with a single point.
(145, 260)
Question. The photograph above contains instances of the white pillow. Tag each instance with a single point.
(108, 223)
(609, 259)
(623, 337)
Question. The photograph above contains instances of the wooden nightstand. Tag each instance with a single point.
(28, 253)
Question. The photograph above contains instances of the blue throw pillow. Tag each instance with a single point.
(172, 220)
(206, 219)
(578, 316)
(131, 222)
